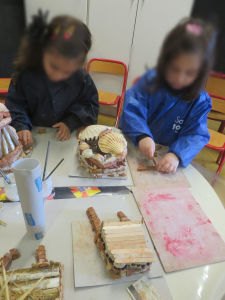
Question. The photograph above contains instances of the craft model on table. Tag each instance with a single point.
(10, 147)
(122, 245)
(42, 281)
(102, 151)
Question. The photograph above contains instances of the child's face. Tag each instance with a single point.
(58, 67)
(183, 70)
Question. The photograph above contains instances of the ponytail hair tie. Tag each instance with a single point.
(55, 33)
(194, 28)
(68, 33)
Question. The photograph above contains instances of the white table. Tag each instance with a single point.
(207, 282)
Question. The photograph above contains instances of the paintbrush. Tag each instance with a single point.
(46, 161)
(58, 164)
(154, 162)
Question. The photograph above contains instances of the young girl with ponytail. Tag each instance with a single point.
(169, 105)
(50, 87)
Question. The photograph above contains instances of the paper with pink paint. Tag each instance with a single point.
(182, 234)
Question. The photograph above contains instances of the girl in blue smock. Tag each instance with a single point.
(169, 105)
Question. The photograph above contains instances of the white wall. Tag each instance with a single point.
(154, 20)
(112, 24)
(76, 8)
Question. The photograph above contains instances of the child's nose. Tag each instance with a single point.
(181, 78)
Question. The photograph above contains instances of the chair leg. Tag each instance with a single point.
(222, 126)
(219, 158)
(221, 163)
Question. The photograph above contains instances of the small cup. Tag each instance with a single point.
(47, 187)
(11, 189)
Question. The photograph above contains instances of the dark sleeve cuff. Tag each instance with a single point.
(20, 127)
(72, 123)
(141, 136)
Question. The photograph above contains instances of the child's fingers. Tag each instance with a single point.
(168, 168)
(150, 153)
(57, 125)
(163, 166)
(174, 169)
(63, 132)
(60, 134)
(19, 135)
(29, 138)
(24, 139)
(65, 135)
(152, 150)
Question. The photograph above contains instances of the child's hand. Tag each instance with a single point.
(168, 164)
(25, 137)
(4, 114)
(63, 132)
(147, 147)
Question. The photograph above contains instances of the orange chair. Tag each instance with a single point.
(217, 142)
(110, 67)
(4, 86)
(215, 86)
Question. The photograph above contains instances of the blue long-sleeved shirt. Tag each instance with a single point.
(34, 100)
(164, 116)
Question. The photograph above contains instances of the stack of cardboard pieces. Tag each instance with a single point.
(122, 245)
(42, 281)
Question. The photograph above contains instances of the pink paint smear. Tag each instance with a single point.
(183, 235)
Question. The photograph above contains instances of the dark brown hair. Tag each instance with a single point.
(64, 34)
(189, 36)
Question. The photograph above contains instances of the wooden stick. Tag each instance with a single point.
(58, 164)
(31, 289)
(6, 283)
(46, 161)
(41, 258)
(122, 216)
(154, 162)
(94, 219)
(34, 273)
(142, 168)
